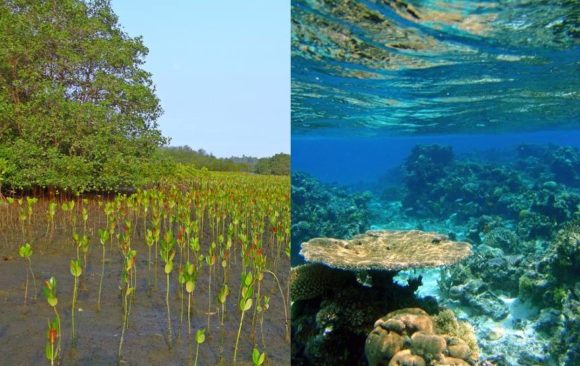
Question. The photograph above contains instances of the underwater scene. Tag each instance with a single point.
(435, 183)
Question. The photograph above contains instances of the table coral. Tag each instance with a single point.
(386, 250)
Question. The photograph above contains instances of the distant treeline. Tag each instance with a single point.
(278, 164)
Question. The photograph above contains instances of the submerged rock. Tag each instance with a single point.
(480, 300)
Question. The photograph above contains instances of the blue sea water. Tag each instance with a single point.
(459, 117)
(362, 161)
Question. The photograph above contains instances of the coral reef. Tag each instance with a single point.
(490, 266)
(559, 164)
(480, 299)
(439, 184)
(557, 273)
(502, 238)
(324, 210)
(331, 329)
(521, 213)
(520, 289)
(411, 337)
(330, 322)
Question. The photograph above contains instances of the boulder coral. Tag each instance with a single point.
(412, 337)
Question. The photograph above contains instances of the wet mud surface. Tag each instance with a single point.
(23, 328)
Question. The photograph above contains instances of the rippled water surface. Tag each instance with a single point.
(424, 67)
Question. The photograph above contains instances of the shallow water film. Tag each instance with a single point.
(190, 273)
(433, 66)
(435, 183)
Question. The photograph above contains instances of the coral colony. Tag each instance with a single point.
(501, 234)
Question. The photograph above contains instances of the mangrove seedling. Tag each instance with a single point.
(189, 278)
(30, 201)
(103, 237)
(210, 260)
(76, 270)
(51, 348)
(259, 267)
(199, 339)
(245, 304)
(126, 277)
(82, 244)
(167, 254)
(22, 216)
(50, 294)
(25, 251)
(51, 214)
(150, 240)
(262, 307)
(222, 297)
(257, 357)
(85, 216)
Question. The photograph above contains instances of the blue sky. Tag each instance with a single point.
(221, 69)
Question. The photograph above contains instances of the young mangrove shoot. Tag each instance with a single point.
(103, 237)
(51, 348)
(50, 294)
(199, 339)
(128, 290)
(167, 254)
(189, 279)
(25, 251)
(257, 357)
(76, 270)
(245, 304)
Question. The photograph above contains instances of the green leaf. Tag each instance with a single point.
(248, 279)
(25, 251)
(200, 336)
(182, 277)
(247, 305)
(255, 356)
(52, 301)
(48, 351)
(189, 286)
(75, 268)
